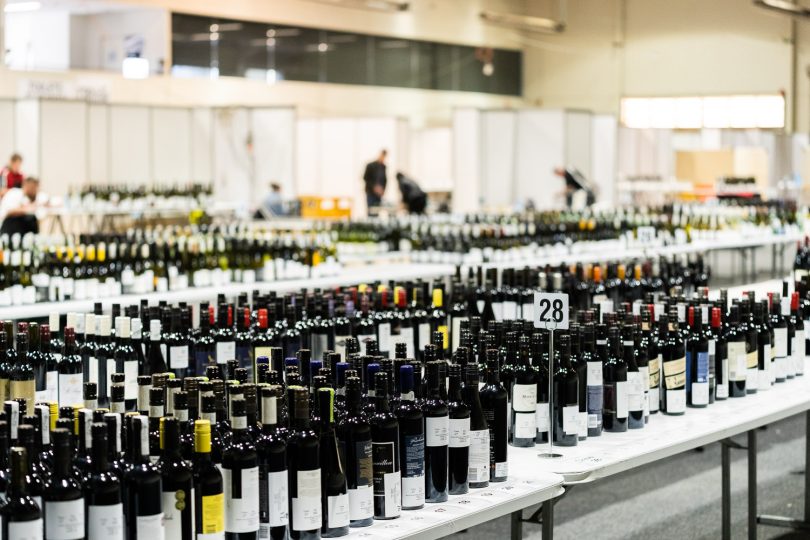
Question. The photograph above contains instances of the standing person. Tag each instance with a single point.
(273, 202)
(18, 208)
(575, 181)
(11, 175)
(375, 180)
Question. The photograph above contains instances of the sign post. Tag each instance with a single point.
(550, 313)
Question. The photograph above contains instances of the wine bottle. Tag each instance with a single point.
(697, 358)
(177, 346)
(719, 346)
(224, 337)
(177, 483)
(102, 491)
(674, 368)
(478, 468)
(524, 400)
(22, 517)
(62, 498)
(459, 436)
(51, 392)
(335, 507)
(764, 364)
(142, 490)
(437, 426)
(614, 374)
(240, 478)
(273, 486)
(737, 362)
(209, 497)
(594, 380)
(155, 360)
(387, 486)
(303, 465)
(566, 394)
(355, 437)
(70, 371)
(411, 442)
(23, 383)
(493, 402)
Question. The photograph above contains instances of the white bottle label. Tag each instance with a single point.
(338, 510)
(64, 520)
(392, 484)
(150, 527)
(70, 389)
(306, 507)
(594, 373)
(621, 399)
(226, 350)
(278, 498)
(676, 401)
(524, 397)
(361, 501)
(541, 417)
(525, 425)
(172, 516)
(478, 470)
(635, 392)
(105, 522)
(722, 389)
(571, 419)
(384, 335)
(459, 432)
(131, 379)
(241, 501)
(25, 530)
(436, 430)
(780, 342)
(178, 357)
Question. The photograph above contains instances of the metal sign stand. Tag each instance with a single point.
(550, 452)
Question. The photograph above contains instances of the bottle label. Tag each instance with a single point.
(213, 516)
(541, 417)
(262, 351)
(178, 357)
(525, 425)
(675, 373)
(387, 487)
(424, 335)
(92, 369)
(501, 469)
(510, 310)
(459, 432)
(635, 392)
(654, 366)
(383, 336)
(676, 401)
(622, 404)
(780, 342)
(478, 470)
(413, 471)
(524, 397)
(150, 527)
(722, 385)
(361, 505)
(70, 389)
(570, 417)
(456, 332)
(130, 379)
(436, 430)
(52, 386)
(174, 503)
(443, 329)
(582, 425)
(594, 373)
(413, 491)
(337, 507)
(273, 500)
(595, 400)
(737, 363)
(241, 488)
(25, 530)
(64, 520)
(106, 521)
(226, 350)
(306, 507)
(752, 371)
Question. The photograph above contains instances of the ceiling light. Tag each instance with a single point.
(19, 7)
(523, 22)
(375, 5)
(784, 7)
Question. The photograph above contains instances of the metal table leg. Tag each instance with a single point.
(517, 525)
(725, 467)
(752, 484)
(790, 523)
(548, 520)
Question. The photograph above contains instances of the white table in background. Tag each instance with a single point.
(461, 512)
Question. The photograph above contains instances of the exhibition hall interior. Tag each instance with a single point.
(404, 269)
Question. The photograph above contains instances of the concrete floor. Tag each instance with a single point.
(679, 498)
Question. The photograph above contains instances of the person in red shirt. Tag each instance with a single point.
(11, 175)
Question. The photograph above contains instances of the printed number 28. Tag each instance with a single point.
(555, 308)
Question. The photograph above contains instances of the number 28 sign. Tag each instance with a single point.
(551, 311)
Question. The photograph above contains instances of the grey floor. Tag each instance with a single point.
(679, 498)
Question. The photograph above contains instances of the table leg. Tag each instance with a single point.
(752, 484)
(517, 525)
(725, 467)
(548, 520)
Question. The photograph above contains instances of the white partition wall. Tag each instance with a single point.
(202, 146)
(603, 157)
(7, 142)
(98, 141)
(467, 190)
(130, 152)
(430, 155)
(274, 148)
(63, 145)
(498, 158)
(26, 134)
(233, 155)
(170, 141)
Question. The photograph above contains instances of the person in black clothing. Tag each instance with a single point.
(414, 199)
(375, 180)
(575, 181)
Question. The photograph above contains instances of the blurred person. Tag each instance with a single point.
(273, 203)
(18, 208)
(11, 175)
(575, 182)
(414, 199)
(375, 180)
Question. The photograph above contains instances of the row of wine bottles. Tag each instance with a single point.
(39, 269)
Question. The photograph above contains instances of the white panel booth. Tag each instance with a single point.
(505, 158)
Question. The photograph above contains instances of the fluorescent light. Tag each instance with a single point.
(20, 7)
(135, 68)
(735, 111)
(525, 23)
(374, 5)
